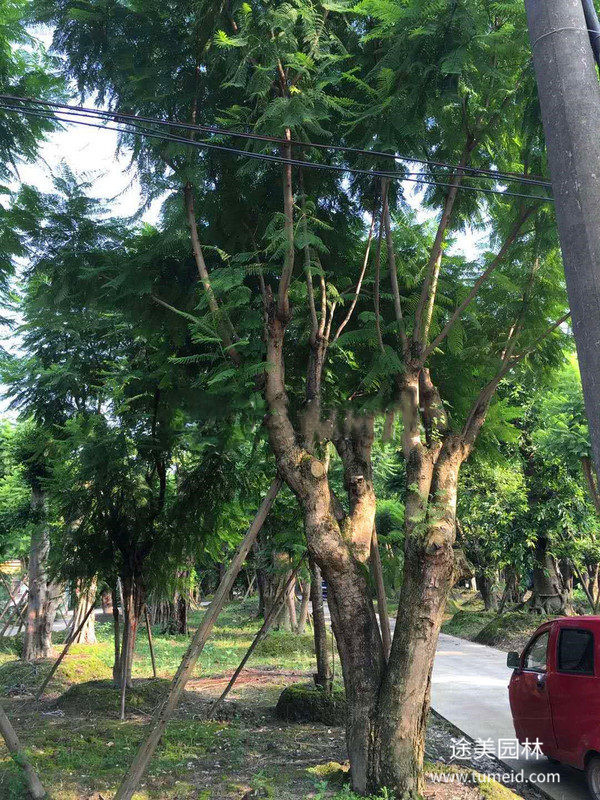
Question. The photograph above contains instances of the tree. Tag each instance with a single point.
(289, 305)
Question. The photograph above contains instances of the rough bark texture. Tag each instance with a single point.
(303, 615)
(396, 757)
(86, 594)
(43, 596)
(339, 544)
(488, 587)
(549, 595)
(133, 604)
(323, 674)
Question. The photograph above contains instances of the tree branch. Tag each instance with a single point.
(225, 327)
(476, 416)
(346, 319)
(283, 301)
(478, 284)
(393, 273)
(428, 291)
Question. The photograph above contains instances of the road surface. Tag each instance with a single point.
(469, 688)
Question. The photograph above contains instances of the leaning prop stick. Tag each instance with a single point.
(36, 790)
(65, 650)
(164, 712)
(271, 616)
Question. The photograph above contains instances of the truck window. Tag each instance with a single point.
(576, 651)
(535, 655)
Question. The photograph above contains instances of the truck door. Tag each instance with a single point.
(574, 693)
(529, 701)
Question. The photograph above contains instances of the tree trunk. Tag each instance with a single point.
(398, 742)
(303, 616)
(549, 596)
(133, 604)
(86, 594)
(488, 587)
(512, 592)
(181, 614)
(43, 596)
(116, 670)
(323, 675)
(384, 620)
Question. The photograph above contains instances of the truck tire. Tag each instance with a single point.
(592, 774)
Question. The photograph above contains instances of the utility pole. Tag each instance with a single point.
(569, 94)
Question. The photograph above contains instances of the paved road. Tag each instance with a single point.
(469, 688)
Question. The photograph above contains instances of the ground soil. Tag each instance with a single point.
(245, 753)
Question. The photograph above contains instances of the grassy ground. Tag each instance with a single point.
(80, 748)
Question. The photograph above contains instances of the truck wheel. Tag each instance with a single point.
(592, 773)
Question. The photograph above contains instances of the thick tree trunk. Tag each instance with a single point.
(512, 593)
(398, 742)
(133, 604)
(181, 609)
(43, 596)
(488, 587)
(549, 595)
(86, 594)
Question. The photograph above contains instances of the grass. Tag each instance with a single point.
(81, 749)
(79, 746)
(469, 620)
(223, 652)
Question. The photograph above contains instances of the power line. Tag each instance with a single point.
(116, 116)
(140, 131)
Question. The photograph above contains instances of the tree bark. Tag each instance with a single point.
(384, 619)
(86, 594)
(398, 742)
(116, 670)
(43, 596)
(488, 588)
(323, 674)
(549, 595)
(303, 615)
(133, 604)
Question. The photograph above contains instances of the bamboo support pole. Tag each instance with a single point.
(64, 652)
(36, 790)
(164, 712)
(270, 617)
(150, 642)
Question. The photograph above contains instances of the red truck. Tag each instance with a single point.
(554, 693)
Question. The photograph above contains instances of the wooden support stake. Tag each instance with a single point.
(7, 587)
(150, 642)
(65, 650)
(18, 616)
(36, 790)
(164, 712)
(270, 617)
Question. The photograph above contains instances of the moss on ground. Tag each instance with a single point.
(309, 703)
(103, 696)
(509, 631)
(467, 624)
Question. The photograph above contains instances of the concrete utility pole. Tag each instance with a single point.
(569, 93)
